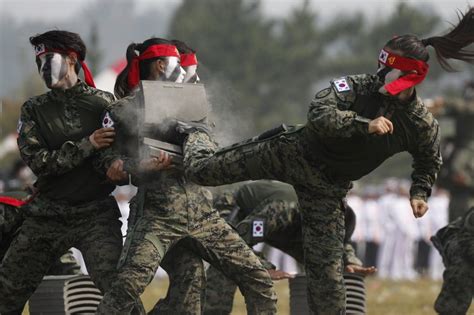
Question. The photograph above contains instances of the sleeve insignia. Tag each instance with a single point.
(107, 121)
(341, 85)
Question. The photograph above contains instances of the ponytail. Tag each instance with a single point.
(453, 44)
(121, 88)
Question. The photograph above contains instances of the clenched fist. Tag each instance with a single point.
(419, 207)
(380, 126)
(102, 138)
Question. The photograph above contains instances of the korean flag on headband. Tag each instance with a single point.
(107, 121)
(383, 56)
(257, 229)
(341, 85)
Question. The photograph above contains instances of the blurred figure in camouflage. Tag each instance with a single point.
(12, 207)
(59, 132)
(20, 193)
(353, 126)
(267, 211)
(457, 174)
(168, 207)
(455, 243)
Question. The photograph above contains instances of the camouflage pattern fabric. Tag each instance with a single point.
(41, 240)
(282, 230)
(60, 153)
(302, 157)
(455, 242)
(73, 208)
(462, 195)
(11, 218)
(176, 210)
(187, 278)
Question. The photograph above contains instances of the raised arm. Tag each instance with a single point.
(330, 114)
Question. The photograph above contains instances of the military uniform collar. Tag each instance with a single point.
(409, 105)
(79, 88)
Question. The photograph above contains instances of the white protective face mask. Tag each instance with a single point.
(174, 72)
(52, 68)
(389, 77)
(191, 74)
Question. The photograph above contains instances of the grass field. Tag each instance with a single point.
(383, 297)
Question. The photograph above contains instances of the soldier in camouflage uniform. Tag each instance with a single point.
(11, 218)
(455, 243)
(353, 126)
(267, 211)
(169, 208)
(59, 133)
(457, 174)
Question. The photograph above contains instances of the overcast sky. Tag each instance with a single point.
(45, 10)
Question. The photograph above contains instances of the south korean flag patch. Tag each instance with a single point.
(383, 56)
(257, 228)
(341, 85)
(107, 121)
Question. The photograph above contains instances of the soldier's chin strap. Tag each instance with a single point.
(404, 64)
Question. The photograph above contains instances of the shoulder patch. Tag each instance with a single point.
(323, 93)
(341, 85)
(107, 121)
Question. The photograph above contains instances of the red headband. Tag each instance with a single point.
(161, 50)
(404, 64)
(41, 49)
(188, 60)
(6, 200)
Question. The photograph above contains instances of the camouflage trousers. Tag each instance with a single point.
(282, 230)
(459, 202)
(11, 219)
(94, 229)
(458, 279)
(178, 211)
(286, 158)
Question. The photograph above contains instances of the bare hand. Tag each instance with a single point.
(381, 126)
(156, 163)
(116, 173)
(361, 269)
(102, 138)
(279, 274)
(419, 207)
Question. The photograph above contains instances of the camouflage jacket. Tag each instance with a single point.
(459, 232)
(337, 128)
(249, 198)
(53, 138)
